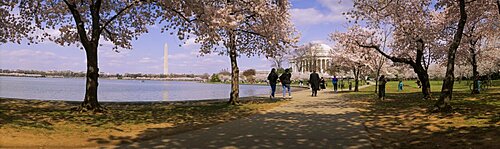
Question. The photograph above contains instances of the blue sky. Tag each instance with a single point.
(314, 19)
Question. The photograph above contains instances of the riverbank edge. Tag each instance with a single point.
(252, 104)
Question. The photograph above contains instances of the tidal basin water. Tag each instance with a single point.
(73, 89)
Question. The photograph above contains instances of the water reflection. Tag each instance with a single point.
(165, 92)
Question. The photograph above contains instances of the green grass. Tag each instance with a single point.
(404, 120)
(411, 86)
(46, 114)
(481, 106)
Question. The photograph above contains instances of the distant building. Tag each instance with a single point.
(312, 56)
(165, 59)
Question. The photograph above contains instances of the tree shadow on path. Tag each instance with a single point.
(402, 121)
(310, 128)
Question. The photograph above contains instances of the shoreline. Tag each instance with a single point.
(182, 102)
(37, 123)
(108, 78)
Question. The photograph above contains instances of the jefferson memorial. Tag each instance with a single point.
(312, 56)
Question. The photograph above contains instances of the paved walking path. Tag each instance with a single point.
(305, 122)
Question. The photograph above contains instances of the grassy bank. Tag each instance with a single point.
(403, 120)
(53, 124)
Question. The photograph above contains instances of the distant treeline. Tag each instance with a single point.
(68, 73)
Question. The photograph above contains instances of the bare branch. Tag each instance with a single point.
(394, 59)
(117, 15)
(183, 16)
(110, 35)
(79, 23)
(249, 32)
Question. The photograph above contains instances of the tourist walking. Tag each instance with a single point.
(334, 82)
(285, 83)
(322, 83)
(314, 81)
(381, 87)
(400, 86)
(273, 79)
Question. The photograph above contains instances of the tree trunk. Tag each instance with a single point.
(416, 65)
(473, 61)
(498, 6)
(356, 79)
(447, 90)
(426, 86)
(424, 79)
(90, 102)
(376, 80)
(475, 73)
(233, 99)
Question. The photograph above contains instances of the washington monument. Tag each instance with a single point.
(165, 59)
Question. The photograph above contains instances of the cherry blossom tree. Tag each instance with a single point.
(250, 27)
(306, 56)
(419, 33)
(236, 28)
(88, 23)
(278, 60)
(447, 90)
(299, 55)
(348, 55)
(378, 60)
(413, 38)
(481, 27)
(13, 29)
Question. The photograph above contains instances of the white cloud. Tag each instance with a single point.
(179, 56)
(37, 60)
(147, 60)
(337, 6)
(26, 53)
(310, 16)
(313, 16)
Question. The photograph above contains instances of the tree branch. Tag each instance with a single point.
(96, 18)
(420, 51)
(117, 15)
(79, 23)
(110, 35)
(249, 32)
(498, 5)
(182, 16)
(2, 3)
(392, 58)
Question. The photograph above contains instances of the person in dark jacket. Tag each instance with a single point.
(273, 79)
(314, 81)
(322, 83)
(381, 87)
(285, 82)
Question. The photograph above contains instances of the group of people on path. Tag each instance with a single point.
(316, 82)
(284, 79)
